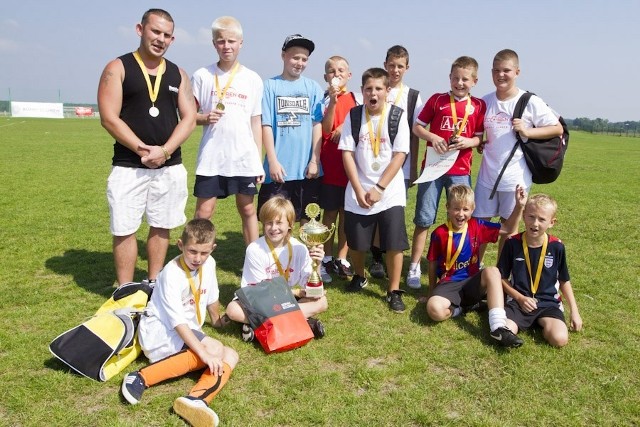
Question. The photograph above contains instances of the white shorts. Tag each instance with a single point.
(159, 194)
(501, 205)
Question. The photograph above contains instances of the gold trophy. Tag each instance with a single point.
(315, 233)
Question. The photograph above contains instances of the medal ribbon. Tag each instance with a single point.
(375, 141)
(284, 273)
(399, 95)
(192, 285)
(452, 260)
(224, 91)
(153, 92)
(535, 282)
(454, 114)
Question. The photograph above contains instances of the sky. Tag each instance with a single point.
(581, 57)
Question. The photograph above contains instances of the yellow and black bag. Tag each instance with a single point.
(106, 343)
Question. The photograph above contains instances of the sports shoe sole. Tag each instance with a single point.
(195, 413)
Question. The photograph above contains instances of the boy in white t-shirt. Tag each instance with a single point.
(229, 98)
(275, 254)
(171, 333)
(538, 121)
(375, 197)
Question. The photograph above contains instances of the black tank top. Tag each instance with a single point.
(135, 111)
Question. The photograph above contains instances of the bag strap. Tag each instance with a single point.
(517, 114)
(393, 122)
(412, 100)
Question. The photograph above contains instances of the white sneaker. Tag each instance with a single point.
(324, 274)
(413, 278)
(196, 412)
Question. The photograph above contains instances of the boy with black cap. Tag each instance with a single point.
(292, 129)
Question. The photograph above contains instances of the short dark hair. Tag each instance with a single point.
(159, 12)
(198, 231)
(376, 73)
(397, 51)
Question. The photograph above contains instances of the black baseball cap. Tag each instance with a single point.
(298, 40)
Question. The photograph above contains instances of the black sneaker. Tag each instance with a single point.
(132, 387)
(479, 307)
(506, 338)
(394, 299)
(357, 283)
(247, 333)
(326, 268)
(376, 269)
(317, 327)
(342, 268)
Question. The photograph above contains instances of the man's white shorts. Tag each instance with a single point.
(159, 194)
(501, 205)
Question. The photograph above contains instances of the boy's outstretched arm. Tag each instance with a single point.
(567, 293)
(190, 339)
(350, 168)
(510, 226)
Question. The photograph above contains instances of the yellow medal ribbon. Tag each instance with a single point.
(450, 261)
(454, 114)
(535, 281)
(284, 273)
(192, 285)
(399, 95)
(375, 140)
(224, 91)
(155, 90)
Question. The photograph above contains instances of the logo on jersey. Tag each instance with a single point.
(548, 261)
(447, 124)
(291, 107)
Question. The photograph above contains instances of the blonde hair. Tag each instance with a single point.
(466, 62)
(334, 58)
(198, 231)
(460, 193)
(541, 201)
(507, 55)
(277, 207)
(226, 23)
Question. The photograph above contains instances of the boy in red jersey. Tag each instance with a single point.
(337, 104)
(455, 122)
(456, 283)
(537, 266)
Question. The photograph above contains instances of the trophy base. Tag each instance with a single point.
(314, 291)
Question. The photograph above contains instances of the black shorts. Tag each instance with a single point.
(527, 320)
(332, 197)
(220, 187)
(360, 230)
(300, 192)
(462, 293)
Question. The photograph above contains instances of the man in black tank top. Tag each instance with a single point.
(146, 104)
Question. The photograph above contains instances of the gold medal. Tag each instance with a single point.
(153, 111)
(220, 106)
(375, 166)
(222, 92)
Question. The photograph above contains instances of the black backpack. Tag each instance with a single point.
(544, 157)
(395, 113)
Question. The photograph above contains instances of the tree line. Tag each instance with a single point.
(627, 128)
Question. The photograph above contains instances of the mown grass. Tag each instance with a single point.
(373, 367)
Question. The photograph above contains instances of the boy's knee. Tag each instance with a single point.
(230, 357)
(235, 312)
(437, 312)
(491, 276)
(558, 338)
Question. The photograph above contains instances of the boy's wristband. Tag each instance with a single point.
(381, 187)
(378, 189)
(167, 156)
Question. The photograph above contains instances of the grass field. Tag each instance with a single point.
(373, 368)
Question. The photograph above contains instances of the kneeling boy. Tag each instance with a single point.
(537, 265)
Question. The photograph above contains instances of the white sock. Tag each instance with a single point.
(414, 266)
(497, 318)
(344, 262)
(455, 311)
(327, 258)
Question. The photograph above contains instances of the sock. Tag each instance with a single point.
(327, 259)
(497, 318)
(173, 366)
(209, 385)
(377, 253)
(344, 262)
(414, 266)
(455, 311)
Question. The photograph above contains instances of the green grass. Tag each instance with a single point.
(373, 367)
